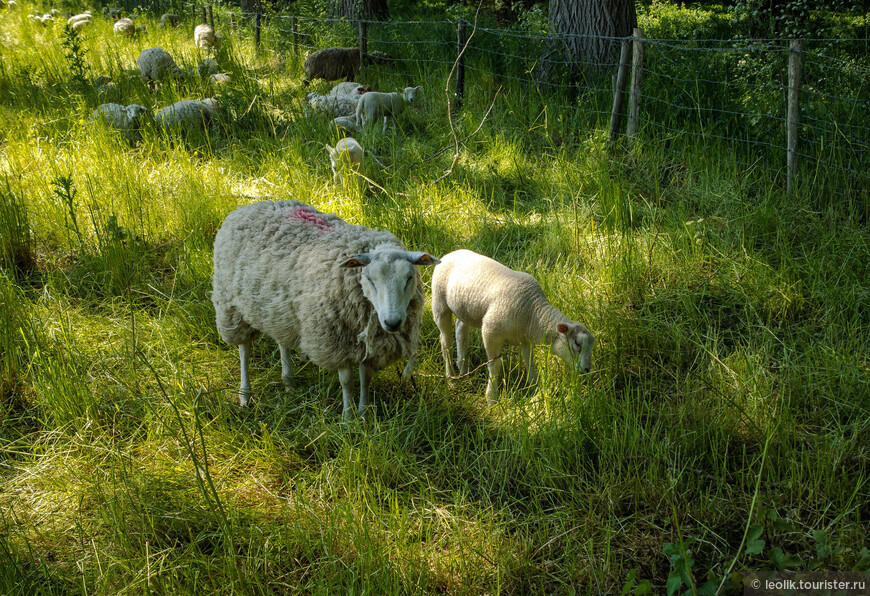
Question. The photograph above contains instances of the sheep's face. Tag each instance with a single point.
(389, 281)
(410, 93)
(574, 345)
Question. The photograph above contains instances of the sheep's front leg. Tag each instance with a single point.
(462, 347)
(365, 376)
(345, 377)
(244, 358)
(444, 320)
(528, 353)
(493, 352)
(286, 368)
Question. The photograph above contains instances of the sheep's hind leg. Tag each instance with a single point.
(528, 353)
(493, 353)
(365, 377)
(462, 347)
(286, 367)
(244, 358)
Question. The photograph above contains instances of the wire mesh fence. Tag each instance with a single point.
(730, 92)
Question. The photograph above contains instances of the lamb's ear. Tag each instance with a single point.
(358, 260)
(422, 258)
(563, 328)
(419, 88)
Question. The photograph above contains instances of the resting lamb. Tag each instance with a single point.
(509, 307)
(343, 295)
(335, 105)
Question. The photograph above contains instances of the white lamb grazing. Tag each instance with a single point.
(343, 295)
(205, 37)
(347, 153)
(373, 105)
(156, 64)
(509, 307)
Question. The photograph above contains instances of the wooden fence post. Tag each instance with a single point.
(636, 77)
(204, 15)
(257, 29)
(295, 27)
(210, 16)
(619, 90)
(794, 87)
(460, 64)
(363, 41)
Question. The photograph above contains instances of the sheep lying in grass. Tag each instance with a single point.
(284, 269)
(156, 64)
(125, 26)
(373, 105)
(509, 307)
(336, 105)
(347, 154)
(187, 114)
(349, 88)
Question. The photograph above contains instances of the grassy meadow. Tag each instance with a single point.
(725, 427)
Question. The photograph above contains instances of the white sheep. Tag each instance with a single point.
(125, 118)
(373, 105)
(83, 16)
(205, 37)
(219, 78)
(156, 64)
(343, 295)
(187, 114)
(81, 24)
(336, 105)
(508, 307)
(349, 88)
(347, 153)
(125, 26)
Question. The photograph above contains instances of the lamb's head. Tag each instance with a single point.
(573, 344)
(389, 282)
(410, 93)
(139, 115)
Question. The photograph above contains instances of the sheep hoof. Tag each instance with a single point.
(244, 397)
(288, 382)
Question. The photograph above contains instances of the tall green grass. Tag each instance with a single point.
(724, 427)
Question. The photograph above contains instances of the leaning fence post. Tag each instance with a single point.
(619, 89)
(636, 77)
(363, 41)
(460, 63)
(794, 87)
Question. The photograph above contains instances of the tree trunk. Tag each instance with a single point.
(359, 10)
(581, 29)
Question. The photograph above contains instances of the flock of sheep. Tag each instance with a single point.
(346, 296)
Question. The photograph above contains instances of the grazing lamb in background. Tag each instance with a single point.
(126, 118)
(187, 114)
(205, 37)
(168, 20)
(343, 295)
(125, 26)
(156, 64)
(347, 153)
(331, 64)
(338, 105)
(349, 88)
(389, 105)
(509, 307)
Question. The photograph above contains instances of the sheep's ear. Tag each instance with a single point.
(422, 258)
(419, 88)
(358, 260)
(563, 328)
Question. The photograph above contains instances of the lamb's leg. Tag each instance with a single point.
(462, 346)
(365, 376)
(444, 320)
(493, 352)
(384, 131)
(244, 358)
(345, 377)
(286, 368)
(528, 353)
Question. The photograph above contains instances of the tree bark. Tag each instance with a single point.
(581, 29)
(359, 10)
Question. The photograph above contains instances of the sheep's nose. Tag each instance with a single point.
(392, 325)
(586, 369)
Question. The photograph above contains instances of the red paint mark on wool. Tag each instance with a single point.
(311, 217)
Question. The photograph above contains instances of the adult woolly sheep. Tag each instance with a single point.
(509, 307)
(331, 64)
(156, 64)
(343, 295)
(373, 105)
(205, 37)
(168, 20)
(125, 118)
(125, 26)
